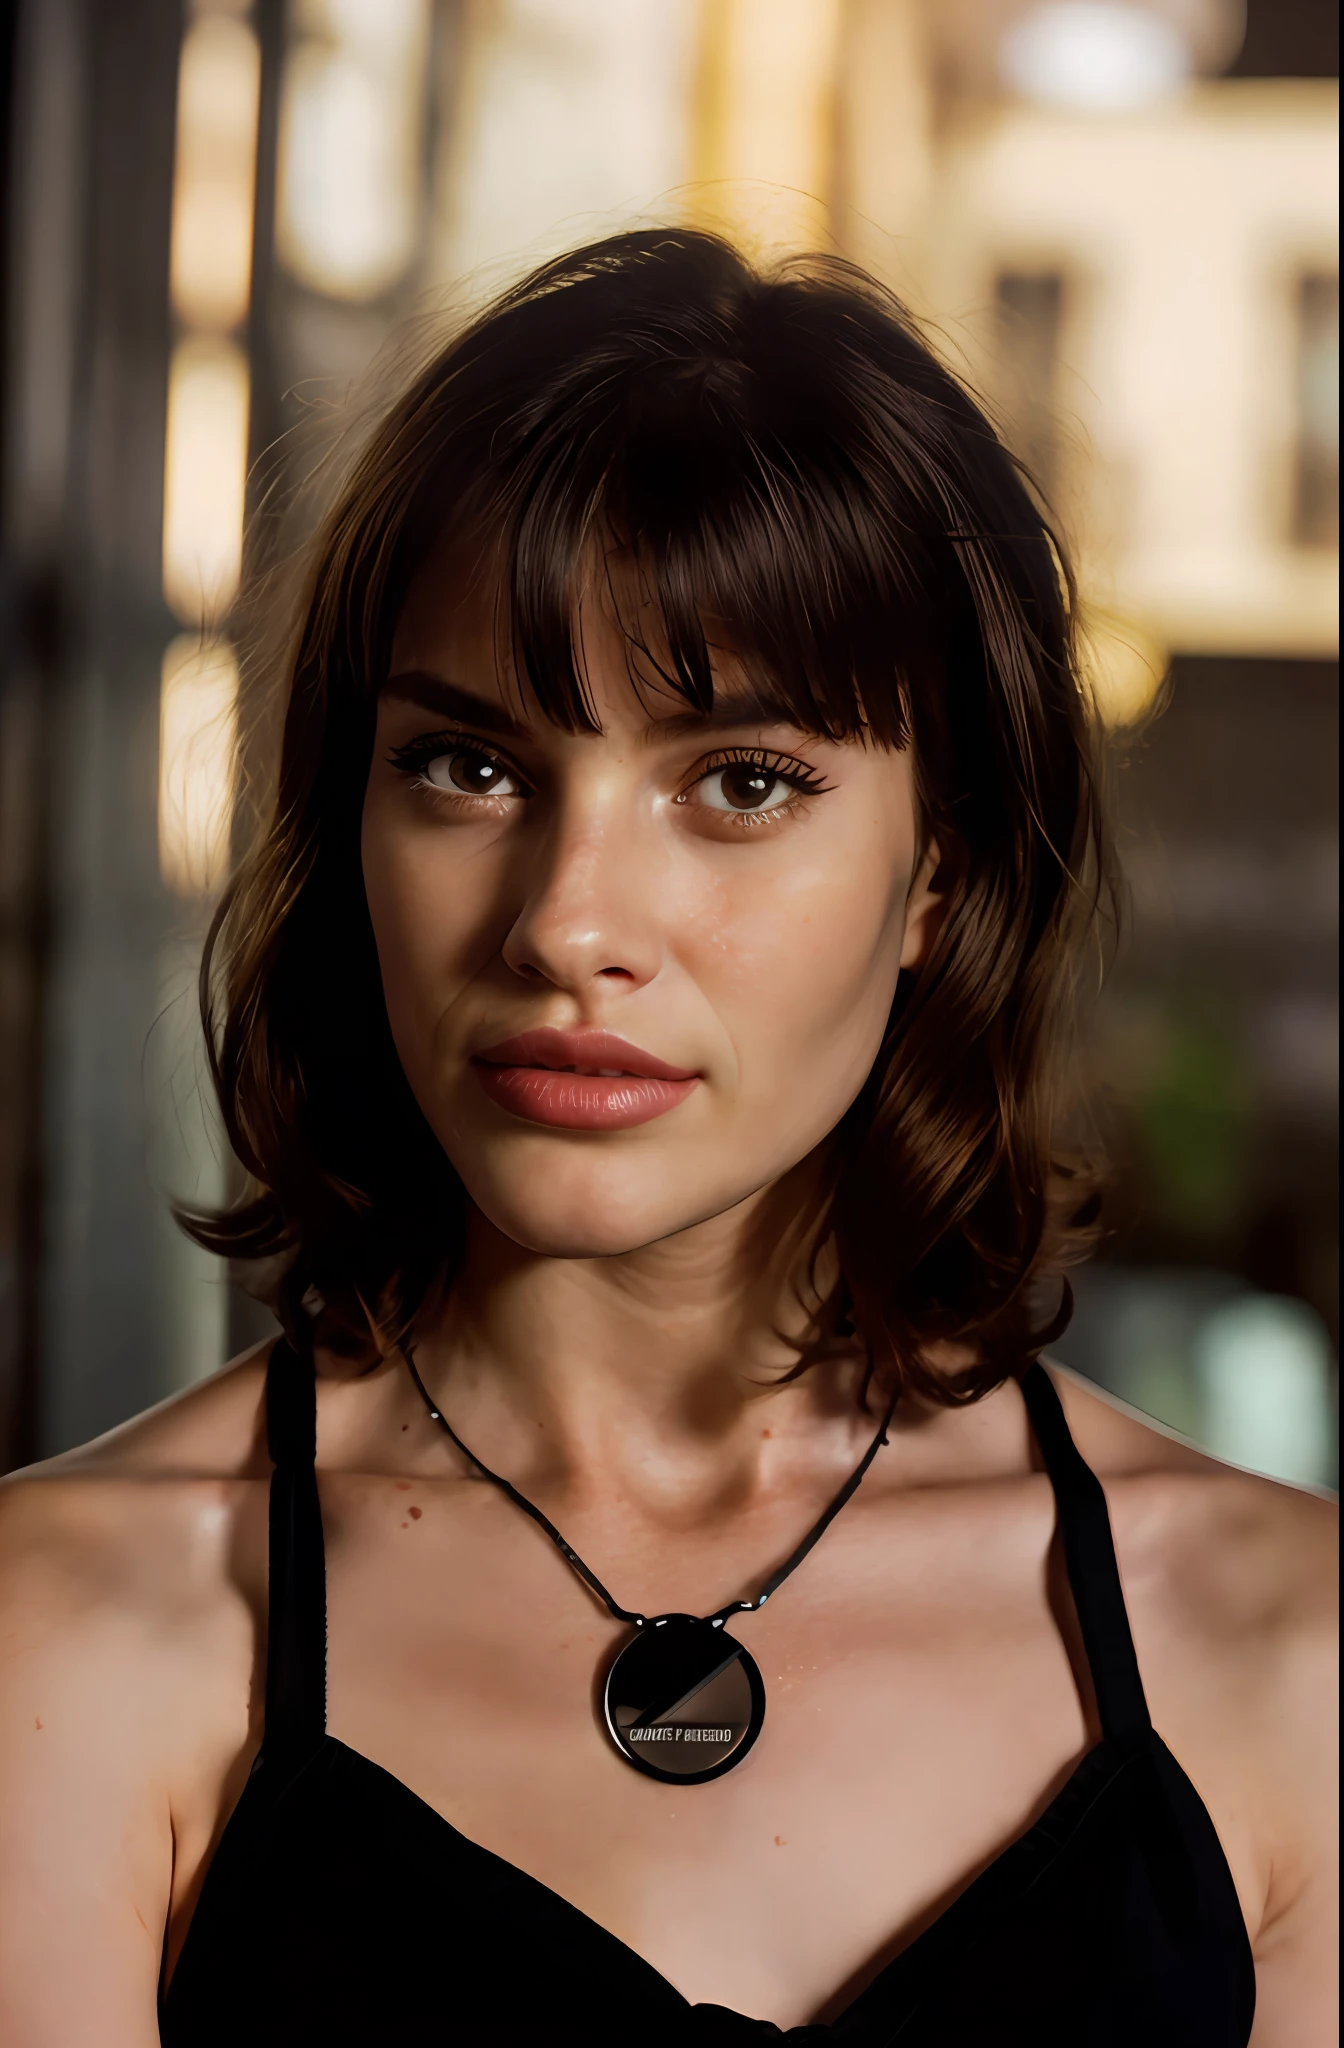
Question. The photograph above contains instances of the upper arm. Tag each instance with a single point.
(85, 1832)
(1296, 1951)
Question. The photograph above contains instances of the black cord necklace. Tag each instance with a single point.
(684, 1701)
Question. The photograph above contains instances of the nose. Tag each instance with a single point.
(591, 912)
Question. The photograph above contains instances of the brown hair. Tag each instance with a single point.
(781, 452)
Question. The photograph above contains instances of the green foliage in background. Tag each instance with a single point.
(1195, 1119)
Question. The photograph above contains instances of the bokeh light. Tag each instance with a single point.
(198, 736)
(205, 475)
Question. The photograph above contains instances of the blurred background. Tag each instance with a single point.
(1119, 218)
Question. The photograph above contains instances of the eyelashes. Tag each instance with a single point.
(475, 772)
(746, 774)
(735, 786)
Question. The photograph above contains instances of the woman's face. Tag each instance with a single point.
(633, 976)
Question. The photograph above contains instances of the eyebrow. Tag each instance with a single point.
(451, 700)
(742, 707)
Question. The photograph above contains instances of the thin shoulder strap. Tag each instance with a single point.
(1089, 1556)
(296, 1630)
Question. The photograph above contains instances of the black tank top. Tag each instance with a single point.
(343, 1912)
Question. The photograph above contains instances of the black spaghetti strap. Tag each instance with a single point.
(1089, 1555)
(296, 1631)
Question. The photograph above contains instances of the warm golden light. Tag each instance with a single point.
(766, 122)
(205, 477)
(347, 223)
(198, 743)
(1123, 667)
(1181, 235)
(218, 83)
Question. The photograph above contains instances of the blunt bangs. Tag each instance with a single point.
(778, 456)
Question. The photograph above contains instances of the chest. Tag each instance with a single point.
(918, 1714)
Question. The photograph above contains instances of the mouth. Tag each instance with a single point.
(580, 1080)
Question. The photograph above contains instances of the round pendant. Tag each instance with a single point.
(683, 1701)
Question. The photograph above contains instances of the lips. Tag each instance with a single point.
(580, 1080)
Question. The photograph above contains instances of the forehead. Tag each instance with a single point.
(455, 625)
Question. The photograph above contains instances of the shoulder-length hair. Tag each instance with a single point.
(783, 456)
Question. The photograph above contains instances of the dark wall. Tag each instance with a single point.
(85, 384)
(1219, 1034)
(1290, 39)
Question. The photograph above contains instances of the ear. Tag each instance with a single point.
(925, 906)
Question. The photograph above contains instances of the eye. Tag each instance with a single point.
(468, 770)
(745, 786)
(755, 784)
(457, 767)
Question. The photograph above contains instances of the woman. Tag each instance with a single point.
(638, 1022)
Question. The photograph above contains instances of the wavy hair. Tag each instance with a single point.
(782, 454)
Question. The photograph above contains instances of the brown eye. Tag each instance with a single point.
(466, 771)
(744, 786)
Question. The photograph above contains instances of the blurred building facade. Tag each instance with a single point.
(1119, 219)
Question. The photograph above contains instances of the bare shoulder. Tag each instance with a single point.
(133, 1531)
(132, 1573)
(1232, 1586)
(1248, 1551)
(131, 1576)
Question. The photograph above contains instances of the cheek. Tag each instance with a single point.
(432, 924)
(803, 972)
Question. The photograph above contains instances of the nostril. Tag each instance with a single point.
(617, 973)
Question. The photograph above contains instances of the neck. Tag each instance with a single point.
(638, 1362)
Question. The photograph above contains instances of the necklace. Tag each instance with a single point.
(683, 1700)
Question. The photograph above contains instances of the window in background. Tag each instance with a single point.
(1316, 509)
(1029, 309)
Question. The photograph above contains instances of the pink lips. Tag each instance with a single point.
(580, 1080)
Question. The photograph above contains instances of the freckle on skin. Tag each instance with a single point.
(415, 1513)
(780, 1842)
(38, 1722)
(403, 1486)
(405, 1525)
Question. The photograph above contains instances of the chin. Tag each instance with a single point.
(578, 1204)
(561, 1237)
(554, 1232)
